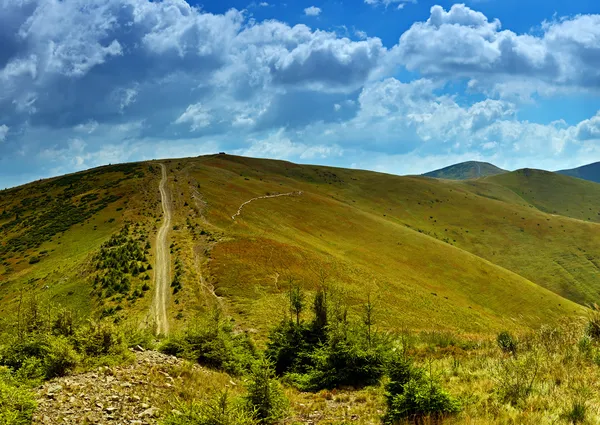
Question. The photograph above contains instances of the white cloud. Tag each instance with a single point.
(89, 127)
(589, 129)
(386, 3)
(361, 34)
(196, 115)
(279, 145)
(3, 132)
(462, 42)
(312, 11)
(146, 74)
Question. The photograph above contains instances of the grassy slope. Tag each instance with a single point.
(372, 233)
(61, 274)
(554, 193)
(472, 256)
(466, 170)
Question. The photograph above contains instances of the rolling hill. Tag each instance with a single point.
(466, 170)
(504, 252)
(589, 172)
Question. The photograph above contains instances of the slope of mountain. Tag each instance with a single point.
(466, 170)
(589, 172)
(554, 193)
(473, 256)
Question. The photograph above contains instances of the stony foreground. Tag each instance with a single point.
(118, 395)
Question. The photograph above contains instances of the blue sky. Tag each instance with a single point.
(400, 86)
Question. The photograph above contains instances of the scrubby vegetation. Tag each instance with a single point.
(63, 202)
(121, 267)
(44, 342)
(211, 341)
(331, 350)
(16, 400)
(544, 376)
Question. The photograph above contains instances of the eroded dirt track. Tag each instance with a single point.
(162, 267)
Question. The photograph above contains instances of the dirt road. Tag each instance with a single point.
(162, 267)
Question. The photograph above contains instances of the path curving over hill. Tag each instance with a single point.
(162, 267)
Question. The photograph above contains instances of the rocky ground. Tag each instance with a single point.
(134, 393)
(144, 390)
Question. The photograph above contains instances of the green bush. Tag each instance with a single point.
(16, 404)
(100, 339)
(211, 342)
(218, 411)
(60, 358)
(345, 362)
(328, 352)
(265, 397)
(290, 348)
(577, 413)
(507, 342)
(516, 377)
(411, 394)
(420, 398)
(14, 351)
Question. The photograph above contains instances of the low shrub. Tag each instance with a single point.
(17, 404)
(265, 397)
(576, 413)
(211, 342)
(411, 394)
(100, 339)
(345, 362)
(221, 410)
(507, 343)
(60, 358)
(516, 377)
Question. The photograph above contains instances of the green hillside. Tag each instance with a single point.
(554, 193)
(589, 172)
(443, 267)
(52, 230)
(473, 256)
(466, 170)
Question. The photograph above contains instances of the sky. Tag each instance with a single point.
(397, 86)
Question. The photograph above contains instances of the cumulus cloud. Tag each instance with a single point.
(86, 81)
(589, 129)
(3, 132)
(279, 145)
(196, 115)
(463, 42)
(312, 11)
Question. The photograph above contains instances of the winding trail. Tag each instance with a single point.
(239, 211)
(162, 267)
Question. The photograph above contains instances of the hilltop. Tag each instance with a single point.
(589, 172)
(466, 170)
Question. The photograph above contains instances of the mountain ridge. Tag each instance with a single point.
(465, 170)
(589, 172)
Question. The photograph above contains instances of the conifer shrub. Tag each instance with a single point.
(415, 395)
(328, 352)
(17, 403)
(60, 359)
(265, 397)
(100, 339)
(345, 361)
(211, 342)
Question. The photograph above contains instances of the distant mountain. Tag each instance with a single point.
(589, 172)
(466, 170)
